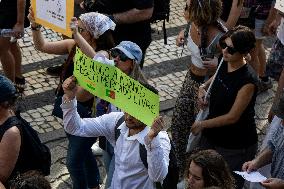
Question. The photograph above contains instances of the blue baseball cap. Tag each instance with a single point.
(131, 50)
(7, 89)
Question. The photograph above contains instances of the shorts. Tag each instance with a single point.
(275, 61)
(258, 29)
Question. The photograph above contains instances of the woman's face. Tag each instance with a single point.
(195, 178)
(84, 32)
(229, 52)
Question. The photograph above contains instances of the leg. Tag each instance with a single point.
(17, 54)
(183, 117)
(6, 58)
(79, 156)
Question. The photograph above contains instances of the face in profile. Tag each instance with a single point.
(195, 178)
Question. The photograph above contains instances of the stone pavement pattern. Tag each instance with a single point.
(165, 68)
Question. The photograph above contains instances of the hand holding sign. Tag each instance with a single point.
(70, 87)
(157, 126)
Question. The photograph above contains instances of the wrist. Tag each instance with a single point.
(202, 86)
(36, 27)
(68, 98)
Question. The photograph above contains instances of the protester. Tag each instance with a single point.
(274, 151)
(12, 16)
(126, 56)
(132, 20)
(208, 169)
(204, 31)
(230, 127)
(29, 180)
(129, 171)
(97, 30)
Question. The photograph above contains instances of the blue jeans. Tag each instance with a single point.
(81, 162)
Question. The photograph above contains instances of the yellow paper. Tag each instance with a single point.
(54, 14)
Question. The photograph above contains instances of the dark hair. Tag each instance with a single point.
(242, 38)
(105, 41)
(10, 102)
(215, 170)
(29, 180)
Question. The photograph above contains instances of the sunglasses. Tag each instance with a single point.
(116, 52)
(231, 50)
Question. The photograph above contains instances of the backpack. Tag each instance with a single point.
(161, 12)
(33, 155)
(171, 180)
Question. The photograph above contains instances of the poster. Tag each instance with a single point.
(109, 83)
(54, 14)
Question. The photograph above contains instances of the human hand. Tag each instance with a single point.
(250, 166)
(202, 102)
(180, 38)
(74, 25)
(210, 63)
(156, 127)
(196, 128)
(69, 87)
(18, 30)
(273, 183)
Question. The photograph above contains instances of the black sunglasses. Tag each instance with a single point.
(231, 50)
(116, 52)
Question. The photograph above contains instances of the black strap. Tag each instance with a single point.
(117, 131)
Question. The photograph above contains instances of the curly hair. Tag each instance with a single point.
(29, 180)
(242, 38)
(215, 170)
(204, 12)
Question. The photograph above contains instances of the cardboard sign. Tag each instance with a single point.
(54, 14)
(111, 84)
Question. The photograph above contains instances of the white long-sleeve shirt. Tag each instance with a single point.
(130, 171)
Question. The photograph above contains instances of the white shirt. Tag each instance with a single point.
(280, 33)
(130, 171)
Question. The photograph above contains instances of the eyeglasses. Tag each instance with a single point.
(231, 50)
(116, 52)
(80, 30)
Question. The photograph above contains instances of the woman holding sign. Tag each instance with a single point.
(96, 29)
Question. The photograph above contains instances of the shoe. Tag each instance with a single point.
(264, 85)
(55, 70)
(20, 84)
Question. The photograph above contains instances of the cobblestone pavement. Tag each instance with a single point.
(165, 68)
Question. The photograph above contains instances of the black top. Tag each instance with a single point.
(224, 91)
(139, 32)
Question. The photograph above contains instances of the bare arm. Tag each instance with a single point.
(57, 47)
(9, 151)
(133, 15)
(19, 26)
(234, 14)
(85, 47)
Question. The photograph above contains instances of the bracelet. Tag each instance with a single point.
(202, 86)
(36, 28)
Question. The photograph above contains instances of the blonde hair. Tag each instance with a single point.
(204, 12)
(137, 73)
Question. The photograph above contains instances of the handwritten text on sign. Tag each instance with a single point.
(111, 84)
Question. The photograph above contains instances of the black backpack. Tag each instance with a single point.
(34, 155)
(161, 12)
(171, 180)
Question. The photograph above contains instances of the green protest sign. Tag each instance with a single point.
(109, 83)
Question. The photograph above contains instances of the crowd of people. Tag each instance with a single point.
(225, 39)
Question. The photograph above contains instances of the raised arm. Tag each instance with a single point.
(234, 13)
(158, 149)
(57, 47)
